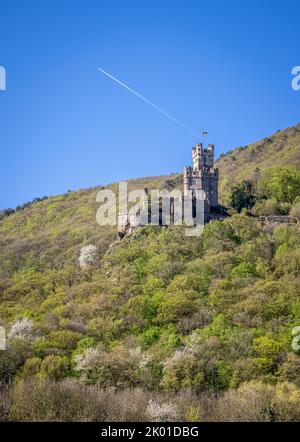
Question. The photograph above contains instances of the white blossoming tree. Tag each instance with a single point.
(88, 256)
(165, 412)
(23, 328)
(126, 367)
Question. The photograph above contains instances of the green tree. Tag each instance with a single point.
(281, 183)
(242, 196)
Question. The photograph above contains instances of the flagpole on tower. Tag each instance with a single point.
(204, 133)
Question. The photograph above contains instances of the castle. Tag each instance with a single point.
(200, 183)
(202, 176)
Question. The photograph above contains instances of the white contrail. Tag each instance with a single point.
(150, 102)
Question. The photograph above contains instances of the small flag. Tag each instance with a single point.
(205, 133)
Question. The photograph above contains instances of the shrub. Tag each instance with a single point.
(295, 210)
(5, 403)
(64, 339)
(244, 270)
(290, 369)
(287, 402)
(13, 358)
(182, 370)
(44, 400)
(220, 236)
(266, 207)
(174, 307)
(68, 401)
(251, 402)
(266, 347)
(31, 368)
(54, 367)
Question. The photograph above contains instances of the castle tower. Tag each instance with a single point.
(202, 176)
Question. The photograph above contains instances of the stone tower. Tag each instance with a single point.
(202, 176)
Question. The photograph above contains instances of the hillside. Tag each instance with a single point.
(164, 327)
(279, 149)
(63, 223)
(71, 217)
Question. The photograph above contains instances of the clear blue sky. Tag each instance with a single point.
(224, 66)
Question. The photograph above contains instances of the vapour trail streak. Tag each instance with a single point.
(150, 102)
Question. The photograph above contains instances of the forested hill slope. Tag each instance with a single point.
(165, 326)
(52, 230)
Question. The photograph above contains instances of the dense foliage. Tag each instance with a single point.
(273, 192)
(162, 312)
(158, 326)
